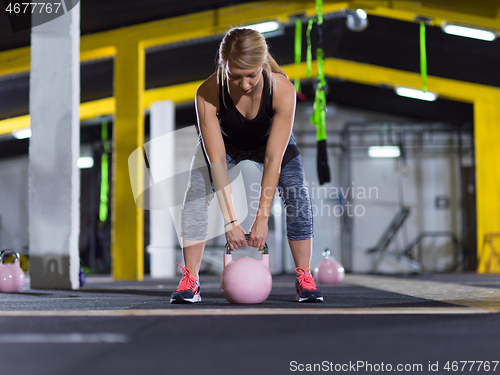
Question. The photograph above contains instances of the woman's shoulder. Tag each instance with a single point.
(209, 89)
(283, 89)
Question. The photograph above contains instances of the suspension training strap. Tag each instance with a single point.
(423, 57)
(103, 206)
(298, 53)
(318, 117)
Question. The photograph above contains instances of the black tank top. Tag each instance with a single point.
(247, 139)
(239, 131)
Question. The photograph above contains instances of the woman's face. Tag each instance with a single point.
(243, 80)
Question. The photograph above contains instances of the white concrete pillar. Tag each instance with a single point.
(161, 157)
(54, 177)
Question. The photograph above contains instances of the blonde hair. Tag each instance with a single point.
(246, 49)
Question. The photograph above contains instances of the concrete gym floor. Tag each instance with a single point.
(367, 324)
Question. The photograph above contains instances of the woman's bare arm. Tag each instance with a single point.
(206, 108)
(284, 97)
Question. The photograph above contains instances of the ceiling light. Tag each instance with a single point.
(357, 20)
(85, 162)
(22, 133)
(264, 27)
(470, 32)
(383, 151)
(416, 94)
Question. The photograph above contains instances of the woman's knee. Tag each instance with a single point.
(294, 192)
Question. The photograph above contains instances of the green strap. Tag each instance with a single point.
(309, 46)
(320, 58)
(103, 205)
(318, 116)
(423, 57)
(298, 53)
(319, 11)
(319, 109)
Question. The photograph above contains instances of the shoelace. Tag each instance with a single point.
(305, 279)
(188, 281)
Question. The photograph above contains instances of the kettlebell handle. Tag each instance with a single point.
(265, 250)
(10, 252)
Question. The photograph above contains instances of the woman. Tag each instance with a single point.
(246, 112)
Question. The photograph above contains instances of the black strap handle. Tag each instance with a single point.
(265, 250)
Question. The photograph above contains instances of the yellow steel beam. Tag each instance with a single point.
(127, 237)
(97, 108)
(88, 110)
(377, 75)
(205, 24)
(7, 126)
(181, 93)
(15, 61)
(487, 157)
(88, 52)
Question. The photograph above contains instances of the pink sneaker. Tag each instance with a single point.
(307, 291)
(188, 290)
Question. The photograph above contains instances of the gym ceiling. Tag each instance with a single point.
(390, 41)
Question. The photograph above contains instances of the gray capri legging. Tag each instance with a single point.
(292, 188)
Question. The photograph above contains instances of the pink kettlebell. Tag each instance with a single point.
(246, 280)
(11, 274)
(329, 271)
